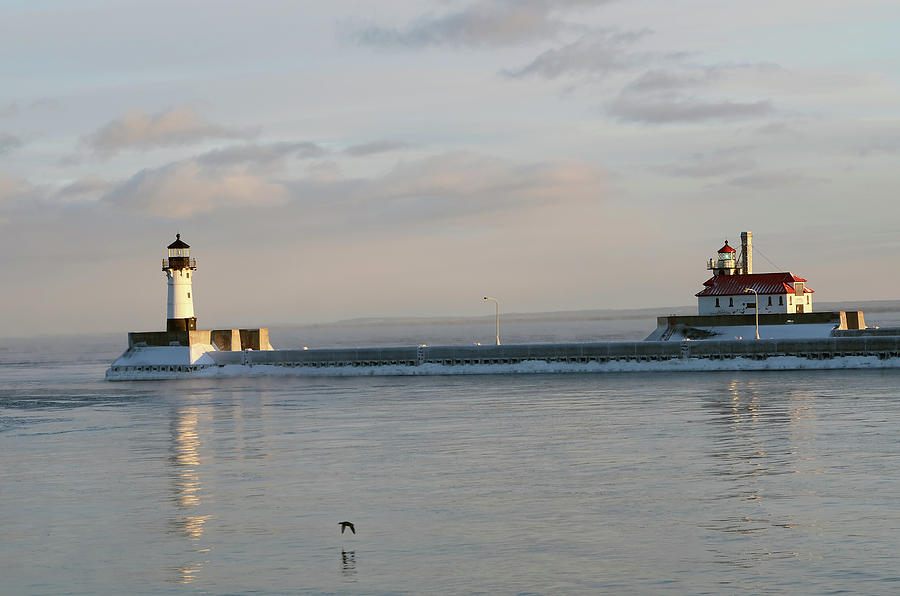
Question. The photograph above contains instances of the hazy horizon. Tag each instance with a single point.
(371, 160)
(872, 310)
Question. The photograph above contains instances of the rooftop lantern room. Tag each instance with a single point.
(179, 248)
(726, 261)
(179, 255)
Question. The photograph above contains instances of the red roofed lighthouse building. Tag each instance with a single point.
(725, 293)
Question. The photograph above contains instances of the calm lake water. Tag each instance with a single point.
(661, 483)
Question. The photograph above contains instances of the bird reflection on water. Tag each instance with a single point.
(348, 563)
(348, 557)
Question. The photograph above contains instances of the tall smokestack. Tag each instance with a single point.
(746, 253)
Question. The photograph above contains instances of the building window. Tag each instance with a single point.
(770, 301)
(807, 298)
(781, 301)
(717, 302)
(790, 300)
(731, 302)
(189, 294)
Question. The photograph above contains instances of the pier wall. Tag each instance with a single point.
(872, 331)
(641, 351)
(813, 318)
(692, 325)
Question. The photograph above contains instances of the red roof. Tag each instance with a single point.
(763, 283)
(726, 248)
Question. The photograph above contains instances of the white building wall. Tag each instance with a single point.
(794, 302)
(706, 305)
(180, 299)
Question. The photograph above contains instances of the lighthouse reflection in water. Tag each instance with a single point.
(187, 489)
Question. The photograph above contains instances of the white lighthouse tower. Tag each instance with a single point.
(179, 304)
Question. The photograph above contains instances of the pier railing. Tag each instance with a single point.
(179, 263)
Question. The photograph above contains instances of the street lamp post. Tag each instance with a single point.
(756, 310)
(497, 304)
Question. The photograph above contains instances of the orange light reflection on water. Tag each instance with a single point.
(188, 487)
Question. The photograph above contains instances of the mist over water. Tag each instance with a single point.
(682, 483)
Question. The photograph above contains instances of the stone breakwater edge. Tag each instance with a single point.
(778, 363)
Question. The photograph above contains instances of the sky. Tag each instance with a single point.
(329, 161)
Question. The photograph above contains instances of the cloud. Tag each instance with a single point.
(324, 170)
(374, 147)
(775, 128)
(673, 90)
(482, 23)
(9, 142)
(88, 188)
(12, 188)
(14, 108)
(140, 130)
(675, 94)
(233, 177)
(261, 154)
(660, 81)
(772, 179)
(185, 188)
(680, 91)
(448, 185)
(462, 184)
(487, 179)
(597, 52)
(712, 167)
(684, 77)
(885, 139)
(21, 196)
(18, 195)
(662, 110)
(44, 103)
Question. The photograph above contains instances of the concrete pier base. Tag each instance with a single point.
(676, 328)
(222, 339)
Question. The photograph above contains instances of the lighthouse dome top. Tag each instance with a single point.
(179, 243)
(726, 248)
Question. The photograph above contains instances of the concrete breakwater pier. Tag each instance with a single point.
(832, 352)
(881, 347)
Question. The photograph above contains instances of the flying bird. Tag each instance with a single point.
(345, 524)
